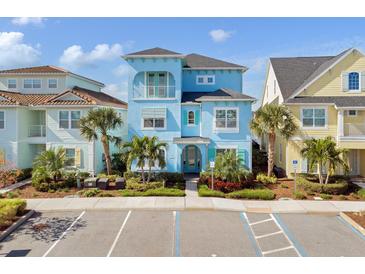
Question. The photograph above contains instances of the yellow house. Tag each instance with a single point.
(326, 94)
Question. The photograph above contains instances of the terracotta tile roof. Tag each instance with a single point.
(39, 69)
(87, 97)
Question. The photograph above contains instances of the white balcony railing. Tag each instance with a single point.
(155, 92)
(354, 129)
(37, 131)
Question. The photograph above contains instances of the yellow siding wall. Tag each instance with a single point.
(362, 162)
(330, 84)
(282, 141)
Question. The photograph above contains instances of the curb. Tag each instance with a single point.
(351, 222)
(15, 225)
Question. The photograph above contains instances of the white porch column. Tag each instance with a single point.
(340, 124)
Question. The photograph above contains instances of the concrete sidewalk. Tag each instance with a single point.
(191, 203)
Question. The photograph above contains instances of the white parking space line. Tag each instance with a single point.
(63, 234)
(119, 233)
(268, 235)
(260, 222)
(277, 250)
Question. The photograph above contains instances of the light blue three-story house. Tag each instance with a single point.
(193, 102)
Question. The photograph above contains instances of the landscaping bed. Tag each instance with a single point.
(11, 210)
(358, 217)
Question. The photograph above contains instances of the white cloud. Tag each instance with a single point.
(75, 57)
(14, 52)
(121, 70)
(220, 35)
(119, 91)
(23, 21)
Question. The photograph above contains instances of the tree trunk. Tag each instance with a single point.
(108, 159)
(142, 173)
(271, 154)
(320, 173)
(149, 174)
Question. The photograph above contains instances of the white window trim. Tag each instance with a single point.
(348, 81)
(348, 113)
(314, 127)
(193, 124)
(32, 79)
(227, 130)
(69, 120)
(205, 79)
(16, 83)
(52, 79)
(153, 128)
(4, 120)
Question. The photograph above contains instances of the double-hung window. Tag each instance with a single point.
(191, 118)
(314, 117)
(226, 119)
(11, 83)
(205, 79)
(2, 119)
(32, 83)
(52, 83)
(154, 118)
(157, 85)
(70, 157)
(69, 119)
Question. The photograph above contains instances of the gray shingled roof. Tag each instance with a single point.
(294, 73)
(220, 94)
(200, 61)
(154, 51)
(339, 101)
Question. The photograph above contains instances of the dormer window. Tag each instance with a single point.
(32, 83)
(205, 79)
(354, 81)
(11, 83)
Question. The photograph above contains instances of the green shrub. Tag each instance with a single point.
(24, 174)
(9, 208)
(340, 187)
(105, 194)
(342, 197)
(173, 192)
(325, 196)
(361, 193)
(12, 194)
(111, 178)
(260, 194)
(132, 184)
(84, 175)
(204, 191)
(91, 192)
(299, 195)
(263, 178)
(284, 186)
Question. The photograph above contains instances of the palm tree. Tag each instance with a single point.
(269, 121)
(98, 123)
(324, 154)
(155, 152)
(52, 161)
(137, 151)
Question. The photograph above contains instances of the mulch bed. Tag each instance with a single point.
(357, 217)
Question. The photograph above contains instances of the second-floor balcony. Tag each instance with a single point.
(154, 92)
(354, 129)
(37, 131)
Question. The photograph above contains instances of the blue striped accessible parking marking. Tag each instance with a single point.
(177, 232)
(289, 235)
(351, 227)
(251, 237)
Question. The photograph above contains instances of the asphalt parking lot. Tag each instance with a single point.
(182, 233)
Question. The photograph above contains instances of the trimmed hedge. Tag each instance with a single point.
(172, 179)
(204, 191)
(9, 208)
(361, 193)
(169, 192)
(300, 195)
(259, 194)
(134, 184)
(340, 187)
(263, 178)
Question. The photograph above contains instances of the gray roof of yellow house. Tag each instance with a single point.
(338, 101)
(295, 73)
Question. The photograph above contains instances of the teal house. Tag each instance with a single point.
(193, 102)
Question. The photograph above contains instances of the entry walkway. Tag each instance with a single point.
(191, 189)
(181, 203)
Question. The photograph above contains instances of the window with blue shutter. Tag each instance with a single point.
(243, 156)
(185, 117)
(211, 154)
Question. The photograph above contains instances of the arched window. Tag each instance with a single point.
(191, 118)
(354, 81)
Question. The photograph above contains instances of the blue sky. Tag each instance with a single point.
(92, 46)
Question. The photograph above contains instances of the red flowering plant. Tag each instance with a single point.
(227, 187)
(8, 174)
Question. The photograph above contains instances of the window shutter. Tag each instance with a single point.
(362, 81)
(242, 155)
(304, 165)
(78, 157)
(2, 157)
(345, 81)
(211, 154)
(197, 117)
(185, 118)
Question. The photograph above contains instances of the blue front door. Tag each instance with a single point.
(192, 160)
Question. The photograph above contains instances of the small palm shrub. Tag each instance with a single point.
(263, 178)
(300, 195)
(229, 167)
